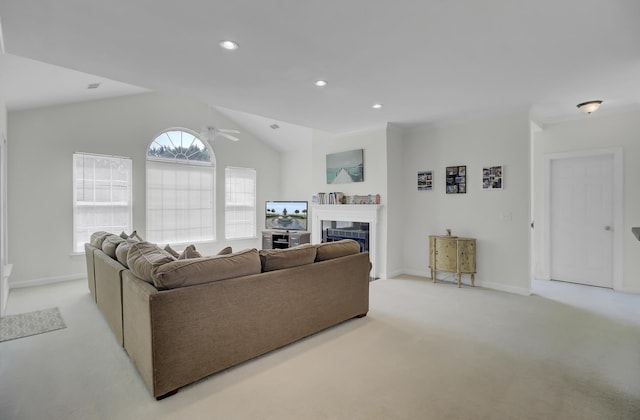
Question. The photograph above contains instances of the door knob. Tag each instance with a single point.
(607, 228)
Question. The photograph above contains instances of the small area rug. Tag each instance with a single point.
(31, 323)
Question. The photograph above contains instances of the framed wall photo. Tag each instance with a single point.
(492, 177)
(456, 180)
(345, 167)
(425, 181)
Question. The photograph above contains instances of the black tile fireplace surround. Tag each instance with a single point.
(335, 231)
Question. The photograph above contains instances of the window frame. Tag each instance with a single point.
(227, 224)
(128, 203)
(186, 163)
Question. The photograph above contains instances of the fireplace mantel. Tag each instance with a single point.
(365, 213)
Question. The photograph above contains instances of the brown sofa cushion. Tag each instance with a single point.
(277, 259)
(98, 237)
(189, 252)
(194, 271)
(331, 250)
(143, 257)
(110, 243)
(122, 251)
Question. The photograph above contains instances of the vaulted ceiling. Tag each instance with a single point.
(424, 60)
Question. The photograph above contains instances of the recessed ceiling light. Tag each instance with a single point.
(229, 45)
(93, 85)
(376, 106)
(321, 83)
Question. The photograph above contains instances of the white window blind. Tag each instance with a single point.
(102, 196)
(180, 189)
(240, 203)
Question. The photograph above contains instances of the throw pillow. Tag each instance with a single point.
(195, 271)
(226, 251)
(278, 259)
(331, 250)
(132, 235)
(171, 251)
(143, 257)
(189, 252)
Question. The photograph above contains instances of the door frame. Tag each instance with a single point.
(618, 206)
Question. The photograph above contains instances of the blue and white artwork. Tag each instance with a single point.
(345, 167)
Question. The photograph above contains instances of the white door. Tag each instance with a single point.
(581, 220)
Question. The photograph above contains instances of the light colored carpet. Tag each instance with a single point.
(425, 351)
(31, 323)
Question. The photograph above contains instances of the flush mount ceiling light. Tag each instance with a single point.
(93, 85)
(321, 83)
(376, 106)
(589, 107)
(229, 45)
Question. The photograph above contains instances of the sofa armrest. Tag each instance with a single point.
(136, 314)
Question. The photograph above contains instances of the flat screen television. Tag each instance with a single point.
(286, 215)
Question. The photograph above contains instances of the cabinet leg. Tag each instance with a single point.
(433, 275)
(459, 280)
(473, 280)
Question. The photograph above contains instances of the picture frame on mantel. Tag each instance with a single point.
(345, 167)
(456, 179)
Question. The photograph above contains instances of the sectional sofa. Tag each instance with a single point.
(182, 319)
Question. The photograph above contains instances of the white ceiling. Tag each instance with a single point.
(425, 60)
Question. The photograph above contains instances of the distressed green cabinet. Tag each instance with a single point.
(454, 255)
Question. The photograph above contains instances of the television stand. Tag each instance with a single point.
(282, 239)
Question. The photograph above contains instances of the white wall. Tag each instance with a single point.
(4, 281)
(498, 219)
(295, 175)
(42, 141)
(374, 143)
(596, 131)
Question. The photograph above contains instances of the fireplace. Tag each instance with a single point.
(347, 221)
(333, 230)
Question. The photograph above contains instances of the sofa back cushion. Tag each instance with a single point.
(110, 244)
(192, 271)
(143, 257)
(98, 237)
(278, 259)
(331, 250)
(122, 251)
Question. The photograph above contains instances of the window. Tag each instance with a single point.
(240, 203)
(101, 196)
(180, 189)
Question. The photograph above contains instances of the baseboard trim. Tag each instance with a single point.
(632, 290)
(46, 280)
(503, 288)
(418, 273)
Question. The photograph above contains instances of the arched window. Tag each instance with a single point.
(180, 188)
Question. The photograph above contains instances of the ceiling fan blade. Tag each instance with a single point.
(228, 130)
(229, 136)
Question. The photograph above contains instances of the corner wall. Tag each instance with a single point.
(597, 131)
(498, 219)
(42, 142)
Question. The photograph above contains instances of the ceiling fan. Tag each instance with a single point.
(210, 132)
